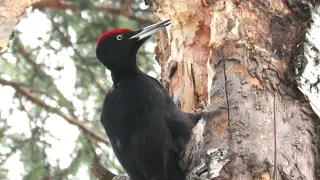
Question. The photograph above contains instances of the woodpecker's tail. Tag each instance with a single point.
(197, 116)
(175, 172)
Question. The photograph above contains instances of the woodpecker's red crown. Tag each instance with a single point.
(112, 32)
(117, 49)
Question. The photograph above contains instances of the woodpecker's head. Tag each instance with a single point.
(117, 48)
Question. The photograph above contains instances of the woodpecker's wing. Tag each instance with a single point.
(117, 131)
(134, 116)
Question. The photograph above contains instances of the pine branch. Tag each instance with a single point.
(123, 10)
(72, 120)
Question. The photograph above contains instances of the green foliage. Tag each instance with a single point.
(56, 79)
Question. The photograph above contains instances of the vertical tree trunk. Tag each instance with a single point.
(240, 55)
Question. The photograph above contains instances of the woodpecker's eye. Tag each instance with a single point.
(119, 37)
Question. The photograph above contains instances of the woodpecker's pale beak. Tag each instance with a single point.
(150, 30)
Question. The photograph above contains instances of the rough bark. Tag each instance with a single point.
(240, 55)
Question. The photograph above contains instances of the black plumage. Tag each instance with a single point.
(146, 129)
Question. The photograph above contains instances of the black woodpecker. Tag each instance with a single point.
(146, 129)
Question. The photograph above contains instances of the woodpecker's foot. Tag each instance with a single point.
(147, 2)
(211, 114)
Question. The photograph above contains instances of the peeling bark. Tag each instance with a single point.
(240, 55)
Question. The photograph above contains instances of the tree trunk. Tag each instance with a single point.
(240, 55)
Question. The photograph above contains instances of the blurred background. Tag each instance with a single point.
(52, 88)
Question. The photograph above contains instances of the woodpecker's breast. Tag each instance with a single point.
(129, 107)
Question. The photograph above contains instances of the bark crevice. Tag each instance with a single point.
(275, 138)
(226, 93)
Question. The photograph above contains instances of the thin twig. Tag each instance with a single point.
(60, 5)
